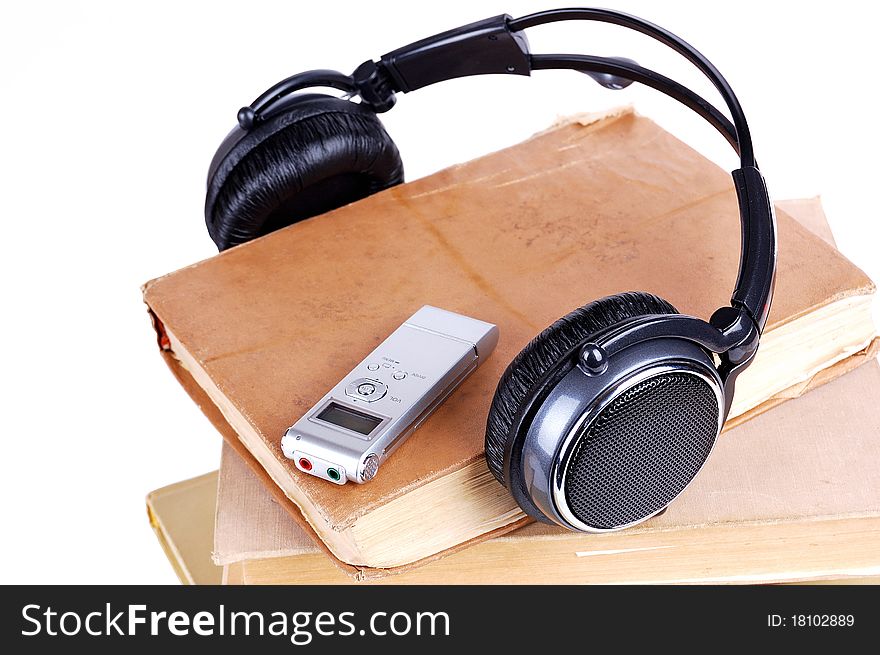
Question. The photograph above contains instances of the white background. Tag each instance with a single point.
(112, 111)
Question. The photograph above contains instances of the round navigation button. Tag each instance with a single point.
(399, 375)
(366, 389)
(372, 367)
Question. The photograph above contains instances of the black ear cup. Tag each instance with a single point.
(318, 154)
(544, 351)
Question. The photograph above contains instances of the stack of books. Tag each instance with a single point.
(520, 237)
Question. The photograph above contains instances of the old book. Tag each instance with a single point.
(517, 238)
(809, 213)
(182, 516)
(791, 495)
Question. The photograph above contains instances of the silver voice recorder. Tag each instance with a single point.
(372, 411)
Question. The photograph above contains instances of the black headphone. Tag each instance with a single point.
(608, 414)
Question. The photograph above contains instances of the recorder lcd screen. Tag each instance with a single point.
(348, 419)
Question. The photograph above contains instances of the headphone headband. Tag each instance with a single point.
(498, 45)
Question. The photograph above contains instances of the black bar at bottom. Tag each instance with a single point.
(427, 619)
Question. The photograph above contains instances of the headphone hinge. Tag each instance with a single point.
(739, 330)
(375, 86)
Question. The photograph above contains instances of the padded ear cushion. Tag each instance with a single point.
(545, 350)
(318, 154)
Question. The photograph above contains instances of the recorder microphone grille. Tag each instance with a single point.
(370, 468)
(642, 450)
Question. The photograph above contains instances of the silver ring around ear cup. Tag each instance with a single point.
(662, 414)
(609, 449)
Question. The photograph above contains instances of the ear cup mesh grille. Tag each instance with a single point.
(642, 450)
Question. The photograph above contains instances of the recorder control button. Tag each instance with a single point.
(372, 367)
(366, 389)
(399, 375)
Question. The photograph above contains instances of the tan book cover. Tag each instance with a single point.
(182, 516)
(518, 238)
(792, 495)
